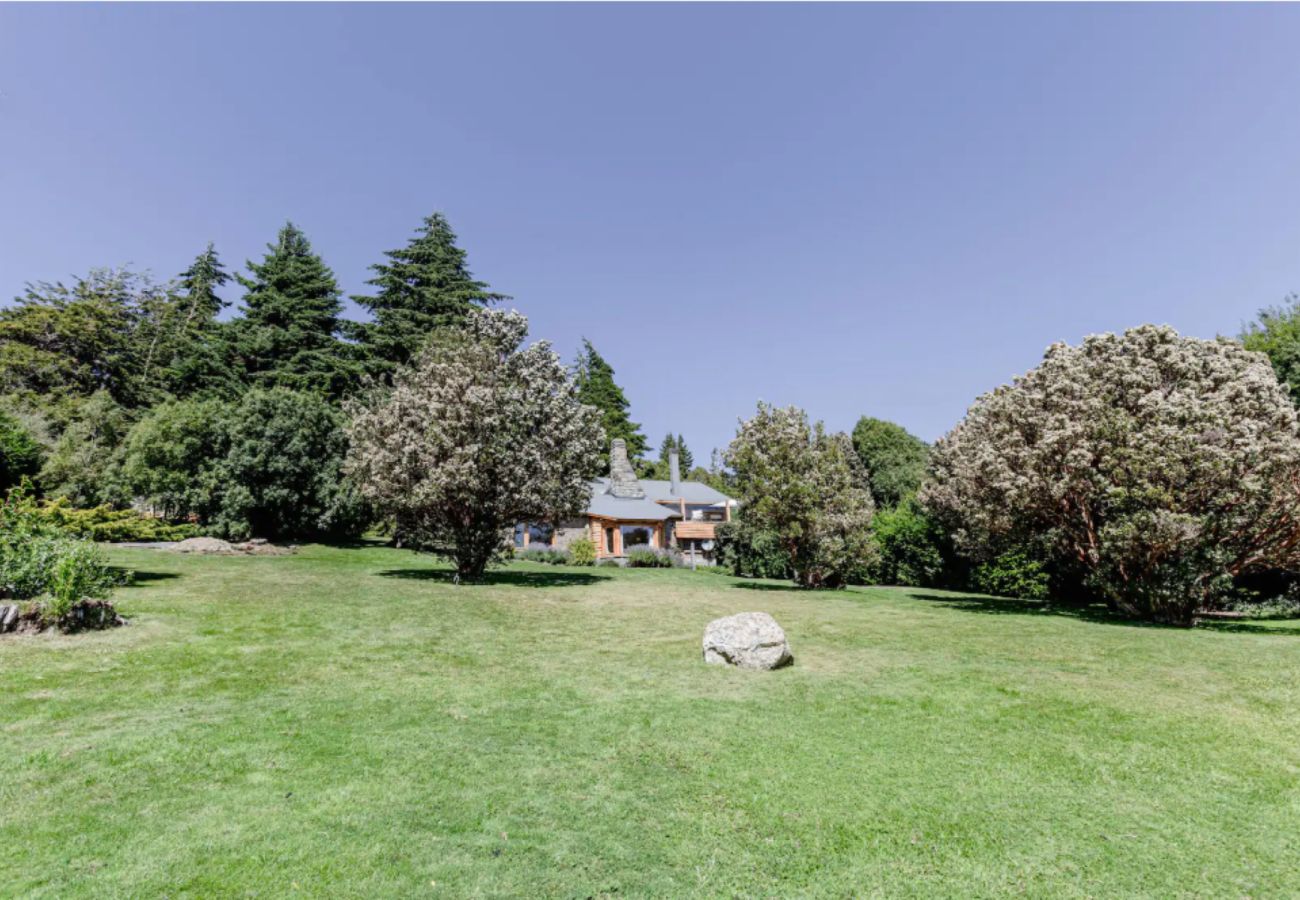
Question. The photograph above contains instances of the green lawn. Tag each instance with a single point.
(346, 722)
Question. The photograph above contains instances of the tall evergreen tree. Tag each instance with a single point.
(596, 387)
(288, 335)
(424, 285)
(201, 354)
(685, 458)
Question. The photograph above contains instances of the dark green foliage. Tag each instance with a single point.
(59, 341)
(911, 547)
(20, 453)
(172, 458)
(685, 458)
(288, 335)
(1015, 573)
(1276, 334)
(424, 286)
(201, 360)
(281, 475)
(751, 553)
(596, 387)
(84, 462)
(895, 460)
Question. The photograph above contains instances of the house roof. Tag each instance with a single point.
(608, 506)
(690, 491)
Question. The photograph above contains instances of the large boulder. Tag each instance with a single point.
(750, 640)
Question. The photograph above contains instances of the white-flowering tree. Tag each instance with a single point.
(806, 488)
(480, 433)
(1156, 466)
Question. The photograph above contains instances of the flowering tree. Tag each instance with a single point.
(479, 434)
(808, 489)
(1155, 465)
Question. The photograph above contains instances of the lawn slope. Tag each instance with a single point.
(349, 722)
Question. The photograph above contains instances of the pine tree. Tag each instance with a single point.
(686, 458)
(596, 387)
(201, 357)
(423, 286)
(288, 334)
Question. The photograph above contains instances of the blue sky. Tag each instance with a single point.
(857, 209)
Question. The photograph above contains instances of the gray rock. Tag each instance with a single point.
(750, 640)
(8, 617)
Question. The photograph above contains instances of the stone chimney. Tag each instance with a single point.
(674, 472)
(622, 477)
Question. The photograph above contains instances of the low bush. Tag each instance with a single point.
(103, 523)
(42, 563)
(609, 564)
(643, 556)
(582, 552)
(543, 554)
(1013, 574)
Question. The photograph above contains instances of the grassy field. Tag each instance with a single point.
(347, 722)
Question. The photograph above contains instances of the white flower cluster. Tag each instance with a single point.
(1154, 466)
(480, 433)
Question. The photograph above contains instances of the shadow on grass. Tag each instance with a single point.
(517, 579)
(1094, 612)
(139, 578)
(762, 586)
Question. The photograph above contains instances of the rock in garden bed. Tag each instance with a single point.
(88, 615)
(750, 640)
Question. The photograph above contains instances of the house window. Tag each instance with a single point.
(637, 536)
(609, 541)
(519, 534)
(540, 533)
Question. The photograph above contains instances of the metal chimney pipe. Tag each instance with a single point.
(674, 472)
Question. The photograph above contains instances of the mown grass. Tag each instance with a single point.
(347, 722)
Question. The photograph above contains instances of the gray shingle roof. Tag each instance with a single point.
(609, 506)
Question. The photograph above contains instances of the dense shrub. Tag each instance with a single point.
(1158, 467)
(911, 547)
(1012, 574)
(582, 552)
(40, 562)
(807, 488)
(103, 523)
(282, 474)
(643, 556)
(172, 458)
(20, 453)
(750, 552)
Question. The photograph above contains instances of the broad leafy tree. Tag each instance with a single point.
(288, 335)
(894, 458)
(480, 433)
(596, 387)
(172, 458)
(1156, 466)
(421, 287)
(1276, 334)
(807, 488)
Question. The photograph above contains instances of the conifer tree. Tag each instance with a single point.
(685, 458)
(596, 387)
(423, 286)
(201, 362)
(288, 334)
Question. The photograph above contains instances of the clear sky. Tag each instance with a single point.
(856, 209)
